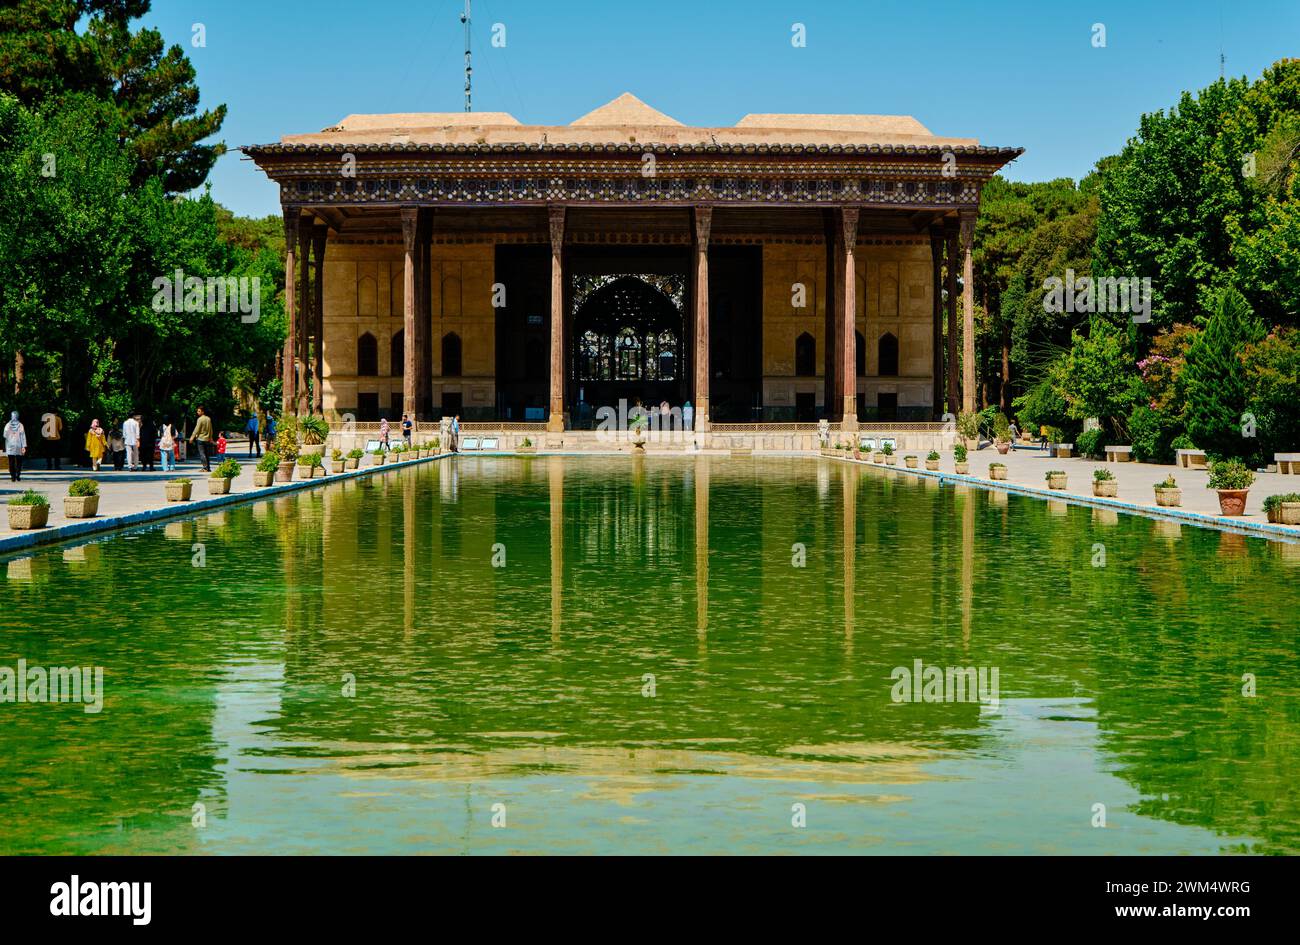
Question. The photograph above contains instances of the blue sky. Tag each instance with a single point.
(1009, 73)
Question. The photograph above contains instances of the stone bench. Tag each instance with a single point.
(1119, 454)
(1287, 462)
(1191, 459)
(1061, 450)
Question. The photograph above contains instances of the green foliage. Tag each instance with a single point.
(1097, 378)
(311, 460)
(1001, 428)
(268, 463)
(1230, 474)
(997, 465)
(1182, 442)
(1272, 376)
(356, 453)
(1151, 433)
(181, 480)
(933, 456)
(1089, 443)
(959, 453)
(1215, 377)
(1042, 405)
(1053, 473)
(228, 469)
(314, 429)
(83, 487)
(888, 449)
(1102, 474)
(1272, 503)
(1167, 483)
(29, 497)
(968, 425)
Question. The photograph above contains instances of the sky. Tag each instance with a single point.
(1026, 73)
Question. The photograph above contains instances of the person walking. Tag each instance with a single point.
(202, 439)
(1042, 437)
(148, 442)
(455, 434)
(15, 446)
(96, 444)
(688, 415)
(52, 430)
(118, 447)
(167, 445)
(131, 436)
(383, 434)
(270, 430)
(1014, 432)
(406, 430)
(254, 439)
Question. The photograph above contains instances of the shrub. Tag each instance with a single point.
(228, 469)
(1273, 501)
(336, 455)
(526, 442)
(1001, 466)
(932, 456)
(1182, 442)
(311, 460)
(968, 426)
(181, 481)
(83, 487)
(434, 443)
(1001, 428)
(1054, 472)
(1102, 475)
(1230, 474)
(286, 442)
(356, 453)
(268, 462)
(1088, 443)
(315, 430)
(959, 453)
(1215, 377)
(377, 452)
(1151, 433)
(1167, 483)
(888, 449)
(30, 497)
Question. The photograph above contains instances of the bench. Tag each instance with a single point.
(867, 444)
(1119, 454)
(491, 443)
(469, 444)
(1061, 450)
(1287, 462)
(1191, 459)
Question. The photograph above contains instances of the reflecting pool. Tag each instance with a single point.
(595, 655)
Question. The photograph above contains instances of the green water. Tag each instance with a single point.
(525, 685)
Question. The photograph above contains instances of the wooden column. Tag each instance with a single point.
(288, 395)
(953, 393)
(555, 423)
(832, 297)
(304, 320)
(703, 224)
(847, 361)
(319, 235)
(936, 284)
(409, 219)
(968, 311)
(424, 316)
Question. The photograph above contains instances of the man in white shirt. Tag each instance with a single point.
(131, 437)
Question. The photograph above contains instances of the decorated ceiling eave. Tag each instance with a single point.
(257, 151)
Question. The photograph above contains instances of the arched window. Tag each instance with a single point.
(860, 353)
(451, 355)
(888, 349)
(397, 354)
(805, 356)
(627, 330)
(367, 356)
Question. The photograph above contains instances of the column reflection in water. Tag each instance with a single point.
(702, 545)
(849, 481)
(408, 551)
(555, 481)
(968, 500)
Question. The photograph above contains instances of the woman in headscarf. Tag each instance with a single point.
(15, 446)
(167, 445)
(96, 444)
(383, 434)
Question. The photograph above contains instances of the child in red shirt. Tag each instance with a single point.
(221, 443)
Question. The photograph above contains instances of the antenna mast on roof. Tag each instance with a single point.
(469, 70)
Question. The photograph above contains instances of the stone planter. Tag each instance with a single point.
(337, 465)
(525, 449)
(877, 457)
(1057, 482)
(911, 461)
(310, 472)
(308, 449)
(284, 472)
(80, 506)
(28, 516)
(179, 491)
(891, 460)
(997, 472)
(263, 479)
(218, 485)
(1107, 488)
(932, 465)
(1169, 498)
(1232, 501)
(1062, 450)
(825, 451)
(352, 462)
(1289, 513)
(961, 469)
(378, 460)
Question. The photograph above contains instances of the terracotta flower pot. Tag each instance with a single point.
(1003, 448)
(179, 491)
(218, 485)
(262, 479)
(932, 465)
(1106, 487)
(80, 506)
(1057, 482)
(284, 472)
(1169, 498)
(961, 469)
(1232, 501)
(1289, 513)
(28, 516)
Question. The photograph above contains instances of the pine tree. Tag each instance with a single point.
(1215, 379)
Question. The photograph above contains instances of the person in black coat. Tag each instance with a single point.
(148, 440)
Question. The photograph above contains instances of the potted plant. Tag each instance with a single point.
(638, 432)
(1104, 483)
(264, 471)
(28, 509)
(527, 446)
(932, 460)
(910, 461)
(337, 462)
(1055, 479)
(434, 443)
(877, 457)
(1283, 509)
(959, 463)
(968, 427)
(1168, 495)
(219, 481)
(315, 431)
(377, 457)
(82, 500)
(178, 490)
(286, 447)
(1002, 433)
(310, 465)
(890, 458)
(997, 471)
(353, 459)
(1232, 480)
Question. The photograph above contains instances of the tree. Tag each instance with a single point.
(1215, 379)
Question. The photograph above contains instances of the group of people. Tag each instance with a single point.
(260, 427)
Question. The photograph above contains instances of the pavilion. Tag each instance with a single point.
(786, 269)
